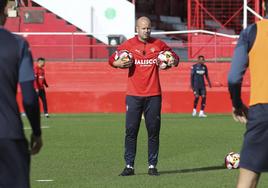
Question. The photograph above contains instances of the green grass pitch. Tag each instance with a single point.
(86, 151)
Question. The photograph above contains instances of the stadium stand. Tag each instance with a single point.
(89, 87)
(55, 47)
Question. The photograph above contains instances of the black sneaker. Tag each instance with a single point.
(127, 172)
(153, 172)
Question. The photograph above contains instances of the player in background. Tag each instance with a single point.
(143, 93)
(41, 83)
(251, 51)
(198, 72)
(16, 66)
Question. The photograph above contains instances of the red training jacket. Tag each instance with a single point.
(40, 80)
(143, 75)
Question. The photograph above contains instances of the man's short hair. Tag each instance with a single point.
(201, 56)
(3, 4)
(41, 59)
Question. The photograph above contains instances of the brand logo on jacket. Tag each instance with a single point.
(145, 62)
(152, 50)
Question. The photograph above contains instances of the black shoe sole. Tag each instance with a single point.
(154, 174)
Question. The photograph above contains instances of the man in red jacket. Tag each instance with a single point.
(143, 92)
(41, 83)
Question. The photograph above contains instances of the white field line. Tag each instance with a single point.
(43, 127)
(44, 180)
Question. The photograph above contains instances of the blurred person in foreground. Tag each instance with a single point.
(143, 92)
(251, 51)
(16, 66)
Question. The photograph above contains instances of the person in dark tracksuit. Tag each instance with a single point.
(16, 66)
(143, 92)
(198, 72)
(41, 83)
(251, 51)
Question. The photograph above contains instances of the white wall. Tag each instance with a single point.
(99, 17)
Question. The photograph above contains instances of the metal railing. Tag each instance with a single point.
(78, 46)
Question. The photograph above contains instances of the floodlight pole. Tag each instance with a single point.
(245, 14)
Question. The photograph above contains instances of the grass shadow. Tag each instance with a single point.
(190, 170)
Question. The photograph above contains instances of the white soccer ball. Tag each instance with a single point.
(232, 160)
(165, 59)
(124, 55)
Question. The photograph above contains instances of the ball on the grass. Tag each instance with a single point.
(165, 59)
(232, 160)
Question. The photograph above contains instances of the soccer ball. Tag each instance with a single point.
(165, 59)
(232, 160)
(124, 55)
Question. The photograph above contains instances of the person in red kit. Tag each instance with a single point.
(40, 83)
(143, 92)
